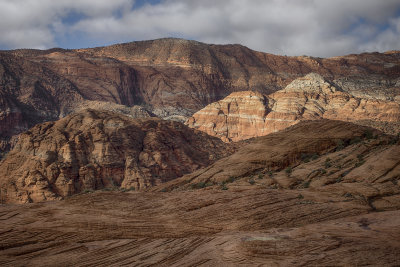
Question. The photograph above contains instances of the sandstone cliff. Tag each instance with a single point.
(173, 78)
(243, 115)
(93, 150)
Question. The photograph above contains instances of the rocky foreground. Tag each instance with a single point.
(318, 193)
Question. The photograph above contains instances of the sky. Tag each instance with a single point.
(322, 28)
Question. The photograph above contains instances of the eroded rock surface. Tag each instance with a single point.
(93, 150)
(243, 115)
(173, 78)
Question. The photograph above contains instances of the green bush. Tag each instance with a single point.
(339, 145)
(231, 179)
(368, 134)
(224, 187)
(327, 165)
(288, 170)
(355, 140)
(252, 182)
(198, 185)
(358, 164)
(306, 184)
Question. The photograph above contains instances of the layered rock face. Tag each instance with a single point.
(291, 198)
(335, 157)
(172, 77)
(99, 149)
(243, 115)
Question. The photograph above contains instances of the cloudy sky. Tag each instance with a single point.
(287, 27)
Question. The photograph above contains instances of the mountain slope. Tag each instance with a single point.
(172, 77)
(92, 150)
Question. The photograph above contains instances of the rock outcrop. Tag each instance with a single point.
(173, 78)
(244, 115)
(335, 157)
(298, 197)
(93, 150)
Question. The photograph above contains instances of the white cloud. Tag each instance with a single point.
(293, 27)
(30, 23)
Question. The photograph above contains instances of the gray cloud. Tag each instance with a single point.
(292, 27)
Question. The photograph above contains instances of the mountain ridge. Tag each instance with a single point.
(173, 78)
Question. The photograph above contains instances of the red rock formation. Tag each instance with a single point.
(173, 77)
(244, 115)
(99, 149)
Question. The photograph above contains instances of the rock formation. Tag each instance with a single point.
(92, 150)
(244, 115)
(320, 192)
(173, 78)
(335, 157)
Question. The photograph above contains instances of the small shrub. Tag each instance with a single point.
(339, 179)
(231, 179)
(288, 170)
(164, 190)
(300, 196)
(306, 184)
(323, 171)
(270, 174)
(345, 173)
(358, 164)
(368, 134)
(87, 191)
(355, 140)
(107, 189)
(339, 145)
(209, 184)
(305, 157)
(252, 182)
(314, 157)
(260, 176)
(348, 195)
(224, 187)
(198, 185)
(327, 164)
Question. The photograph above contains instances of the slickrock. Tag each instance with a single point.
(338, 204)
(244, 115)
(335, 157)
(93, 150)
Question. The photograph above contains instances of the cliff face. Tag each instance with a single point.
(243, 115)
(93, 150)
(173, 78)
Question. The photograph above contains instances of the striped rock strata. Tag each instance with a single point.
(243, 115)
